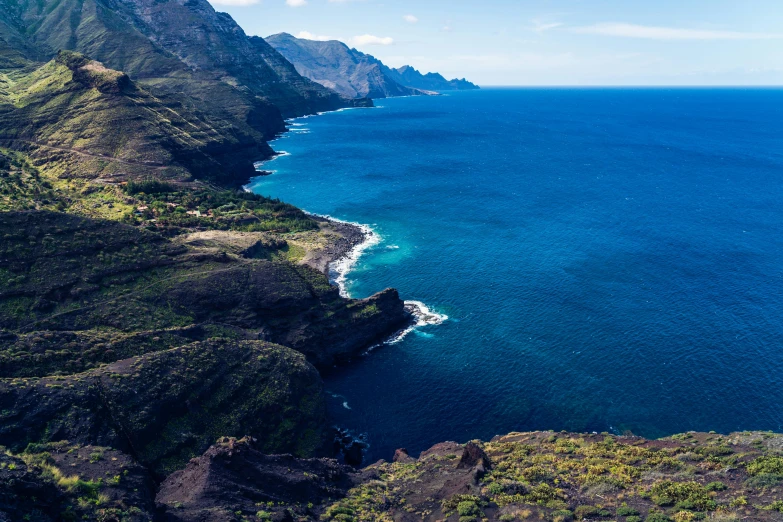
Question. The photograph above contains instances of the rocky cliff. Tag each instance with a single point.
(516, 477)
(338, 67)
(558, 477)
(410, 77)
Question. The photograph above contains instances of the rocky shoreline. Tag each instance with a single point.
(346, 237)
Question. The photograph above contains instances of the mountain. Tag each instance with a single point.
(355, 74)
(338, 67)
(410, 77)
(182, 49)
(81, 121)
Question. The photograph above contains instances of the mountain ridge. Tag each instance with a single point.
(408, 75)
(353, 73)
(184, 50)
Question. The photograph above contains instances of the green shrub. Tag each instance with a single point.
(716, 486)
(562, 515)
(586, 511)
(775, 506)
(625, 511)
(657, 517)
(468, 508)
(714, 451)
(452, 503)
(764, 480)
(151, 186)
(634, 518)
(690, 494)
(769, 464)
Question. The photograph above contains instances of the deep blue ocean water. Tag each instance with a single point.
(610, 259)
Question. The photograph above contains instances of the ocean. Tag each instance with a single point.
(609, 260)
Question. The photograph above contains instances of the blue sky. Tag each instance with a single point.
(546, 42)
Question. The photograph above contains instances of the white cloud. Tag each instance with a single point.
(296, 3)
(540, 27)
(306, 35)
(410, 19)
(669, 33)
(369, 39)
(234, 2)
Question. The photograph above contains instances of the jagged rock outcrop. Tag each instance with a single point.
(536, 475)
(234, 476)
(23, 492)
(335, 65)
(567, 476)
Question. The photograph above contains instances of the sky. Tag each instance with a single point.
(545, 42)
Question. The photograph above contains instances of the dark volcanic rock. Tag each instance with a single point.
(233, 477)
(23, 492)
(108, 283)
(401, 455)
(168, 406)
(370, 321)
(473, 456)
(66, 482)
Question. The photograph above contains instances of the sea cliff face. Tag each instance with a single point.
(355, 74)
(338, 67)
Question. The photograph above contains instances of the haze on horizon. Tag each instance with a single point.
(545, 42)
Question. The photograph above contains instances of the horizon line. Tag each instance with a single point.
(626, 86)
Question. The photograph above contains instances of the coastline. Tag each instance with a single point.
(346, 244)
(341, 256)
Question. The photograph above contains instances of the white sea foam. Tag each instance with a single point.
(340, 268)
(424, 317)
(277, 155)
(345, 405)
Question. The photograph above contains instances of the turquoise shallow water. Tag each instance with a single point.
(610, 259)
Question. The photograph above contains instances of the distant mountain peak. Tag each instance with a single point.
(355, 74)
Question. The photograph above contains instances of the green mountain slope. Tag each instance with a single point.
(81, 121)
(175, 49)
